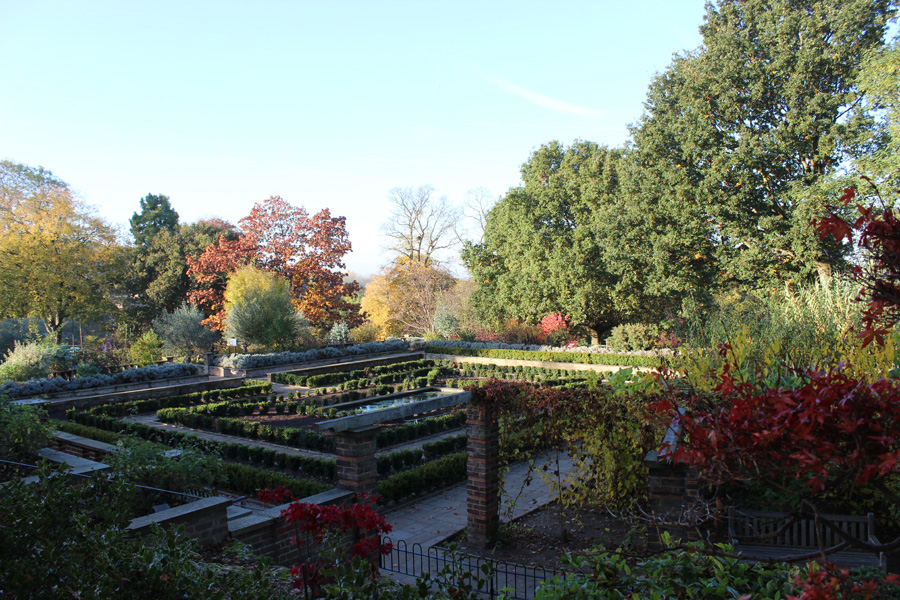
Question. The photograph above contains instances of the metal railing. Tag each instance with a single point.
(518, 581)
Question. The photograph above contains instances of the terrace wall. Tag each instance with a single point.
(343, 360)
(136, 391)
(205, 520)
(348, 366)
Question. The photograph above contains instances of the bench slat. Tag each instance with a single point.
(801, 538)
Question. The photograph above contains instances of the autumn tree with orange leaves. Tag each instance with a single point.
(306, 249)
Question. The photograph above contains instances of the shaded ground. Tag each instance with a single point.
(536, 538)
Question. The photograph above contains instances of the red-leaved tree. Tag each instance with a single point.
(309, 251)
(210, 271)
(276, 236)
(831, 434)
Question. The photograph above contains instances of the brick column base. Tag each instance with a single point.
(673, 492)
(483, 450)
(356, 465)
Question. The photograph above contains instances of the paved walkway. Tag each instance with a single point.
(435, 518)
(420, 526)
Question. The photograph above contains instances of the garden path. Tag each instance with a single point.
(433, 519)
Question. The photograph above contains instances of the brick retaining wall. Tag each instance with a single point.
(206, 520)
(267, 533)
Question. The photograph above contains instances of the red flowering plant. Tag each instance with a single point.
(347, 539)
(839, 584)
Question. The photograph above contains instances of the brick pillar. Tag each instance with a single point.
(483, 450)
(356, 465)
(673, 494)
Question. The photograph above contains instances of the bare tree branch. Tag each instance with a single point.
(421, 226)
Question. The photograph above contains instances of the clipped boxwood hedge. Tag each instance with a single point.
(91, 433)
(317, 467)
(419, 480)
(625, 360)
(390, 436)
(287, 436)
(120, 409)
(243, 479)
(250, 480)
(404, 459)
(379, 374)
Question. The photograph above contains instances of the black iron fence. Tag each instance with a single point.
(485, 576)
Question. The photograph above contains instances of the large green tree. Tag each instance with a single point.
(541, 253)
(745, 132)
(259, 310)
(879, 81)
(158, 277)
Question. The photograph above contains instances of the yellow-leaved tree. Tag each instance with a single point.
(403, 298)
(58, 260)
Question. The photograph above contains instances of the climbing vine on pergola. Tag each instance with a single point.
(605, 432)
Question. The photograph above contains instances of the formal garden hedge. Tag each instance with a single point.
(390, 436)
(405, 459)
(315, 467)
(120, 409)
(425, 478)
(342, 376)
(625, 360)
(249, 480)
(54, 385)
(243, 479)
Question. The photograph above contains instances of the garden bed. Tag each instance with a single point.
(535, 538)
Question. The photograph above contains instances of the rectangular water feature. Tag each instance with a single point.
(400, 400)
(395, 406)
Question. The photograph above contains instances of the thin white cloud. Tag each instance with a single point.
(538, 98)
(436, 163)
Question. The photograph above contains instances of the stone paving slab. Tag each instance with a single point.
(435, 518)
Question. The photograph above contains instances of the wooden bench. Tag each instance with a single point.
(761, 535)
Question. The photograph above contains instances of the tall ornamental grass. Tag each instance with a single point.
(779, 334)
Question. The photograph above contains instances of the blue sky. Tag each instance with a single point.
(328, 104)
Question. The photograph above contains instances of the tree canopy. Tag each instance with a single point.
(421, 226)
(259, 311)
(306, 250)
(57, 260)
(744, 141)
(541, 253)
(746, 131)
(157, 279)
(404, 297)
(156, 215)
